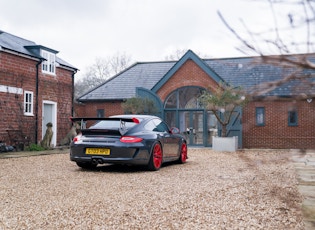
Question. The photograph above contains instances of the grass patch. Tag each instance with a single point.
(34, 147)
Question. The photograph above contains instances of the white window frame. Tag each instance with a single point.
(28, 103)
(49, 65)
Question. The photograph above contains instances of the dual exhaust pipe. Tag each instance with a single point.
(97, 161)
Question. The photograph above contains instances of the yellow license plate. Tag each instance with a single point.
(97, 151)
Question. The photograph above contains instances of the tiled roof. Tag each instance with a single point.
(250, 72)
(235, 71)
(20, 45)
(124, 84)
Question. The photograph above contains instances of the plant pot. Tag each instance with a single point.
(228, 144)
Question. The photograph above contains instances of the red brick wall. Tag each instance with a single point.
(57, 89)
(16, 72)
(64, 102)
(90, 109)
(20, 72)
(276, 133)
(189, 74)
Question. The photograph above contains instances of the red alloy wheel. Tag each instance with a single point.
(183, 153)
(157, 156)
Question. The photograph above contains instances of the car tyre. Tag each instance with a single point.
(183, 153)
(156, 157)
(86, 165)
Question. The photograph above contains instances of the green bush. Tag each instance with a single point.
(137, 105)
(34, 147)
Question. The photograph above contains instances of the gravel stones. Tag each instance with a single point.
(213, 190)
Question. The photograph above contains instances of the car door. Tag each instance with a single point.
(170, 141)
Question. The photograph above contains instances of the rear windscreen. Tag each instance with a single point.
(112, 124)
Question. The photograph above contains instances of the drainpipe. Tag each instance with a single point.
(72, 96)
(36, 102)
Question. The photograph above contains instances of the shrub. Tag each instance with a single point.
(34, 147)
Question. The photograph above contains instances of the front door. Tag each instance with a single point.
(191, 125)
(50, 115)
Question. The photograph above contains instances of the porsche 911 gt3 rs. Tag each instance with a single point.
(127, 139)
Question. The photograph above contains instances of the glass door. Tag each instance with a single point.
(191, 126)
(212, 127)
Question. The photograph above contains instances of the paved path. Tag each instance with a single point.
(304, 163)
(34, 153)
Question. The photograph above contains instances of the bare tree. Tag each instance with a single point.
(101, 70)
(279, 37)
(178, 53)
(278, 41)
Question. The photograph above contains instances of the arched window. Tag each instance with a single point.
(184, 98)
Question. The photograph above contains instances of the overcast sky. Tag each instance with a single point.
(145, 30)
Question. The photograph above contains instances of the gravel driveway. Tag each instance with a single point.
(243, 190)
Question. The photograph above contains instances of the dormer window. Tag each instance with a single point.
(48, 66)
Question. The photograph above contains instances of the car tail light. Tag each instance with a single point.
(77, 138)
(130, 139)
(135, 120)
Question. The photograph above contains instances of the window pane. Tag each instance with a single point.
(150, 126)
(292, 118)
(184, 98)
(28, 102)
(111, 124)
(260, 116)
(170, 118)
(44, 65)
(49, 64)
(188, 97)
(30, 98)
(171, 101)
(160, 126)
(100, 113)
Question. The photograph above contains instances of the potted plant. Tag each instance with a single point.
(223, 101)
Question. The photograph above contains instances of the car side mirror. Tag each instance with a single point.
(174, 130)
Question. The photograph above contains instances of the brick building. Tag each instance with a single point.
(174, 86)
(36, 87)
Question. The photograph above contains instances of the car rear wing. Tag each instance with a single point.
(122, 129)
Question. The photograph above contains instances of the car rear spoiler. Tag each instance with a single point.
(122, 128)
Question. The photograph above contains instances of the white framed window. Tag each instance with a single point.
(48, 66)
(28, 103)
